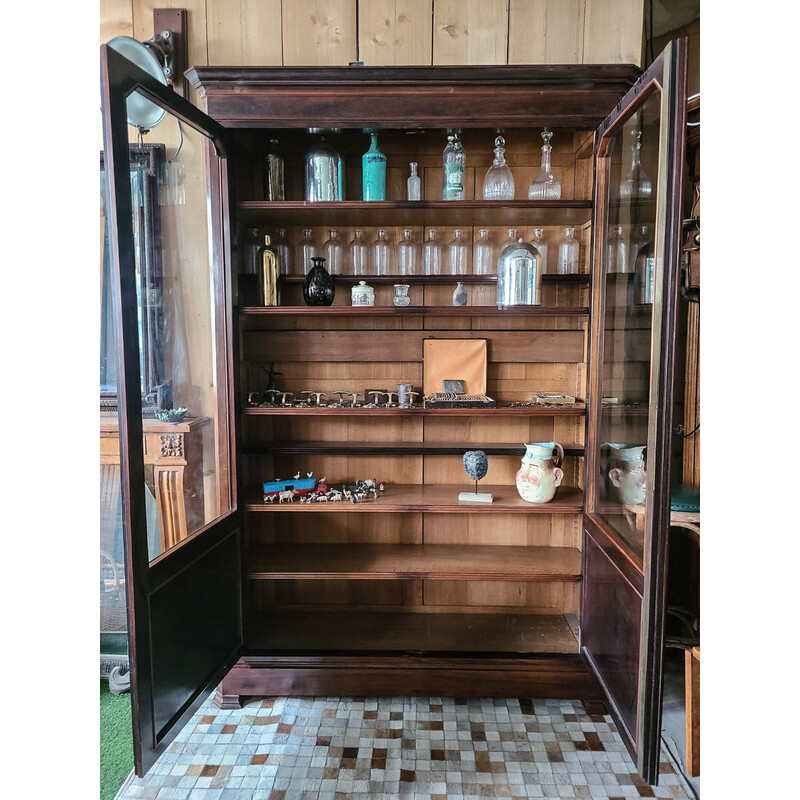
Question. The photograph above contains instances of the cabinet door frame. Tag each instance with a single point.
(647, 578)
(161, 702)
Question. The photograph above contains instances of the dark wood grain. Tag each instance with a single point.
(408, 561)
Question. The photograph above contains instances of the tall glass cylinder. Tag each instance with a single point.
(407, 255)
(357, 254)
(457, 254)
(273, 172)
(334, 254)
(483, 255)
(306, 251)
(541, 245)
(324, 174)
(381, 255)
(432, 254)
(568, 253)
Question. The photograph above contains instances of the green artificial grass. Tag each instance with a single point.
(116, 741)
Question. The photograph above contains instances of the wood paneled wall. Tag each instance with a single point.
(392, 32)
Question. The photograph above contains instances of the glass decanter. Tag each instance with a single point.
(545, 186)
(284, 251)
(306, 252)
(413, 184)
(499, 182)
(407, 255)
(457, 254)
(381, 254)
(568, 253)
(636, 184)
(357, 254)
(334, 254)
(482, 255)
(454, 162)
(432, 254)
(616, 251)
(541, 245)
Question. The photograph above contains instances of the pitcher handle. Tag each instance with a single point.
(560, 450)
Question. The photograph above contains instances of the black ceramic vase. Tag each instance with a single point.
(318, 289)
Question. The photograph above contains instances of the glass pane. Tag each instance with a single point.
(182, 362)
(629, 261)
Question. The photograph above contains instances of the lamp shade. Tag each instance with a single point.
(142, 113)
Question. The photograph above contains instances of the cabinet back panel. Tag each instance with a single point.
(556, 530)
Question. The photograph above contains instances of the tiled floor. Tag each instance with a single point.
(409, 747)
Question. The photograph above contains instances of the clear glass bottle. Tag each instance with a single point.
(357, 254)
(454, 162)
(373, 171)
(324, 173)
(407, 255)
(644, 277)
(545, 186)
(334, 254)
(253, 245)
(499, 182)
(616, 250)
(541, 245)
(432, 254)
(638, 238)
(636, 184)
(284, 251)
(568, 254)
(483, 255)
(381, 255)
(306, 251)
(511, 238)
(457, 254)
(273, 172)
(414, 184)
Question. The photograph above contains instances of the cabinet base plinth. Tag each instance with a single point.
(406, 676)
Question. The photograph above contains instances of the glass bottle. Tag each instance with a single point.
(273, 172)
(541, 245)
(324, 173)
(432, 254)
(306, 251)
(511, 238)
(644, 278)
(251, 254)
(454, 162)
(318, 289)
(482, 255)
(334, 254)
(545, 186)
(357, 257)
(407, 255)
(381, 254)
(413, 184)
(499, 182)
(268, 272)
(373, 171)
(616, 251)
(636, 184)
(637, 240)
(284, 251)
(457, 254)
(568, 254)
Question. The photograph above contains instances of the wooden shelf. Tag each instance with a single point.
(412, 562)
(436, 499)
(578, 410)
(549, 280)
(395, 448)
(342, 630)
(438, 213)
(251, 312)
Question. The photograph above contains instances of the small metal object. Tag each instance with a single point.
(284, 395)
(250, 398)
(412, 395)
(389, 396)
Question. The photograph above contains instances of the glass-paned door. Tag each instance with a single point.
(636, 238)
(169, 291)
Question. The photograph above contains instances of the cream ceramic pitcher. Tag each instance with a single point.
(540, 474)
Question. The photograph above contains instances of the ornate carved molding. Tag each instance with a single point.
(171, 445)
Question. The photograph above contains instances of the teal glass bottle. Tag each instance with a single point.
(373, 171)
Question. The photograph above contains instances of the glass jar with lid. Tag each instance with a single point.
(482, 254)
(457, 254)
(568, 253)
(407, 255)
(334, 253)
(381, 255)
(432, 254)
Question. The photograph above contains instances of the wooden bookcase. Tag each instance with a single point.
(339, 594)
